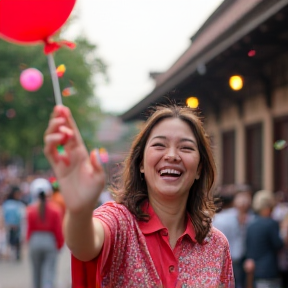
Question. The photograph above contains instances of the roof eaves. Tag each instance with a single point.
(210, 51)
(217, 13)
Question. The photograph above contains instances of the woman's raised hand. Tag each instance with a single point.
(80, 175)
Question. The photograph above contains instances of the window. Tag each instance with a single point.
(254, 156)
(281, 156)
(228, 160)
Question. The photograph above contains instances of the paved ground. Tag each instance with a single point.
(18, 274)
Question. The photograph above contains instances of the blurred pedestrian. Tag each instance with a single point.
(243, 204)
(25, 189)
(283, 253)
(264, 242)
(14, 217)
(227, 222)
(44, 234)
(56, 196)
(158, 231)
(281, 206)
(3, 237)
(280, 214)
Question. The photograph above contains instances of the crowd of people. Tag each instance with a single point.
(33, 217)
(256, 226)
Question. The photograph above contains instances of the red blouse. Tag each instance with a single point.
(52, 222)
(138, 254)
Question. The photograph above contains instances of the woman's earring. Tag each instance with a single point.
(141, 176)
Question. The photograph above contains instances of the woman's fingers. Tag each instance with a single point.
(51, 143)
(62, 111)
(62, 117)
(54, 124)
(95, 160)
(67, 134)
(61, 135)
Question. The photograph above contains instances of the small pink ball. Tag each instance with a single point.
(31, 79)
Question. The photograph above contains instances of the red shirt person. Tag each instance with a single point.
(44, 233)
(51, 224)
(158, 232)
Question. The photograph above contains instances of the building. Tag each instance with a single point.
(248, 38)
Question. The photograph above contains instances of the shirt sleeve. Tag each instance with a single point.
(227, 276)
(87, 274)
(113, 222)
(83, 273)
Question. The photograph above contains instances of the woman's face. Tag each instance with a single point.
(171, 159)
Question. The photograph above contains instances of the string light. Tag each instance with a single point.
(236, 82)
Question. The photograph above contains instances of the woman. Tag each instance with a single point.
(44, 234)
(158, 232)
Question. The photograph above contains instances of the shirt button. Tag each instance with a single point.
(164, 233)
(171, 268)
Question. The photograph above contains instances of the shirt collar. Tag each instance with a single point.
(154, 224)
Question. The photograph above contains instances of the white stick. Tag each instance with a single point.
(55, 82)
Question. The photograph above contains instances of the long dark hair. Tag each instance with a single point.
(42, 204)
(133, 189)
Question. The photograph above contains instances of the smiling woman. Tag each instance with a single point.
(157, 232)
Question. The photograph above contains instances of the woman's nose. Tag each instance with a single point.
(172, 157)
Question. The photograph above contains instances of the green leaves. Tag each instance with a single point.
(24, 115)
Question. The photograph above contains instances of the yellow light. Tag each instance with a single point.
(236, 82)
(192, 102)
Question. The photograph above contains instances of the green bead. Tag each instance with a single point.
(61, 149)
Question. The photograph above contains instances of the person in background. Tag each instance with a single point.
(227, 222)
(158, 231)
(281, 206)
(3, 238)
(14, 218)
(283, 254)
(263, 242)
(44, 234)
(25, 189)
(280, 214)
(56, 196)
(243, 205)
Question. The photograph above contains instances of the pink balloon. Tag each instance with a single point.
(31, 79)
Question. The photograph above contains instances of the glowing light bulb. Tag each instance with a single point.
(236, 82)
(192, 102)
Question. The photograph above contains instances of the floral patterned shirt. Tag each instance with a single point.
(138, 254)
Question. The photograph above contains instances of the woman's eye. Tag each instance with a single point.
(188, 148)
(158, 145)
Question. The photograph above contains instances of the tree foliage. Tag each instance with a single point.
(24, 115)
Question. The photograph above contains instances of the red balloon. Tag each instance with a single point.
(28, 21)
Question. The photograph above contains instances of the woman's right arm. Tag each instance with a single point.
(81, 179)
(84, 235)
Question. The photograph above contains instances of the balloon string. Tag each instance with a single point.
(55, 82)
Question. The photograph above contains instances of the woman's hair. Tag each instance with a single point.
(42, 204)
(133, 190)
